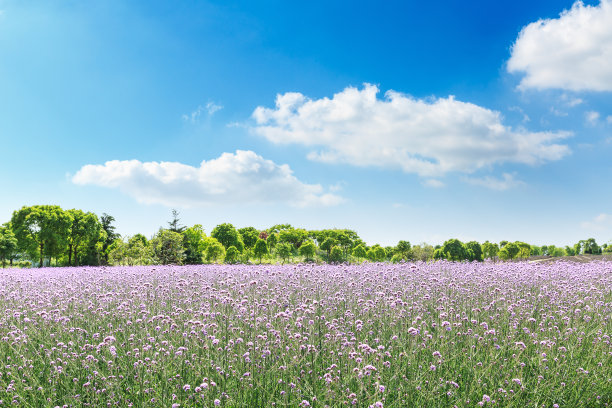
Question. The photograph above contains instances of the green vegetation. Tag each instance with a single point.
(47, 235)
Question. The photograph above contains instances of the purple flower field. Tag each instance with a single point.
(374, 335)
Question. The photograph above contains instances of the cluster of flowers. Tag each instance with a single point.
(372, 335)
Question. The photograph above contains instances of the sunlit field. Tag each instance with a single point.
(373, 335)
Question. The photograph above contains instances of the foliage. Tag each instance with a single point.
(214, 250)
(335, 254)
(260, 249)
(228, 236)
(168, 247)
(231, 255)
(454, 250)
(194, 244)
(489, 250)
(8, 244)
(284, 251)
(308, 250)
(249, 236)
(174, 225)
(359, 252)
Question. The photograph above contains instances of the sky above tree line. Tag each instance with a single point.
(419, 121)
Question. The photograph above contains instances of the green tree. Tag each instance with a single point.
(139, 251)
(228, 236)
(524, 250)
(454, 250)
(327, 245)
(359, 252)
(108, 227)
(214, 250)
(404, 250)
(308, 250)
(590, 247)
(512, 250)
(231, 255)
(260, 249)
(336, 254)
(41, 230)
(489, 250)
(293, 236)
(193, 244)
(168, 247)
(85, 229)
(569, 251)
(272, 240)
(284, 251)
(174, 225)
(422, 252)
(8, 244)
(476, 249)
(249, 236)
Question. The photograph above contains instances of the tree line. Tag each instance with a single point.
(42, 235)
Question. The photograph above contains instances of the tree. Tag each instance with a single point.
(489, 250)
(293, 236)
(454, 250)
(228, 236)
(193, 244)
(272, 240)
(327, 245)
(260, 249)
(308, 250)
(422, 252)
(8, 244)
(139, 251)
(524, 249)
(106, 221)
(174, 225)
(231, 255)
(511, 251)
(168, 247)
(214, 250)
(249, 236)
(569, 251)
(284, 251)
(403, 249)
(85, 228)
(41, 230)
(476, 248)
(359, 252)
(336, 254)
(590, 247)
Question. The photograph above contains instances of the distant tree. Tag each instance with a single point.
(376, 253)
(138, 251)
(231, 255)
(327, 245)
(260, 249)
(489, 250)
(359, 252)
(174, 225)
(454, 250)
(228, 236)
(249, 236)
(502, 244)
(536, 250)
(524, 250)
(84, 229)
(569, 251)
(8, 244)
(108, 227)
(511, 250)
(308, 250)
(284, 251)
(476, 248)
(336, 254)
(272, 240)
(293, 236)
(422, 252)
(194, 244)
(168, 247)
(590, 247)
(41, 230)
(214, 250)
(404, 250)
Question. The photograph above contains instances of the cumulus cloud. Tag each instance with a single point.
(591, 117)
(602, 222)
(241, 177)
(426, 137)
(505, 183)
(572, 52)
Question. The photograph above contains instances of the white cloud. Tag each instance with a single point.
(426, 137)
(591, 117)
(602, 222)
(434, 183)
(210, 108)
(505, 183)
(609, 119)
(573, 52)
(243, 177)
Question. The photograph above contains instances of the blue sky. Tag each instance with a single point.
(407, 120)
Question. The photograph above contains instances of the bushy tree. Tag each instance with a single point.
(231, 255)
(260, 249)
(327, 245)
(194, 244)
(359, 252)
(284, 251)
(8, 244)
(422, 252)
(489, 250)
(214, 250)
(293, 236)
(249, 236)
(335, 254)
(85, 230)
(168, 247)
(228, 236)
(404, 250)
(454, 250)
(476, 251)
(308, 250)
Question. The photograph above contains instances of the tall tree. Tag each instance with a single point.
(41, 230)
(249, 236)
(8, 244)
(108, 227)
(84, 229)
(308, 250)
(228, 236)
(194, 244)
(454, 250)
(260, 249)
(174, 225)
(168, 247)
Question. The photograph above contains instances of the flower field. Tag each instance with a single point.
(408, 335)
